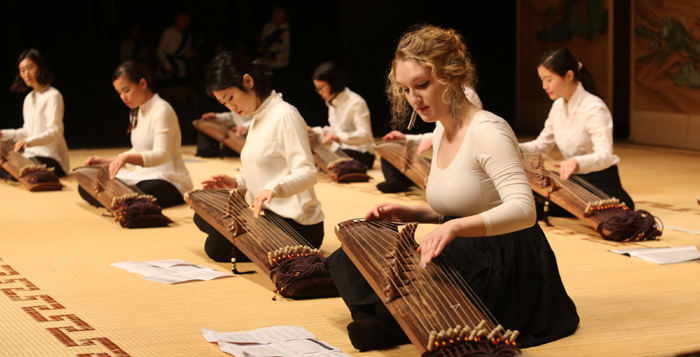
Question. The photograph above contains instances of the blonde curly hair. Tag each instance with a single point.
(444, 52)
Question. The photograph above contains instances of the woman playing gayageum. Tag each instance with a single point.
(579, 124)
(278, 167)
(478, 194)
(41, 136)
(155, 139)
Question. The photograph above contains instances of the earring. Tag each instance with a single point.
(413, 120)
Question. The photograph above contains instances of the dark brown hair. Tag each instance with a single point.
(227, 70)
(43, 75)
(560, 61)
(330, 73)
(134, 71)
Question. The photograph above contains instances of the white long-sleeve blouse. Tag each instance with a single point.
(158, 139)
(349, 119)
(43, 126)
(581, 128)
(277, 157)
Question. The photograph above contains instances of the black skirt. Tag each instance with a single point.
(515, 275)
(608, 181)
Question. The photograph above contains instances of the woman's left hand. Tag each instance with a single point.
(330, 136)
(116, 165)
(567, 167)
(434, 242)
(21, 145)
(262, 197)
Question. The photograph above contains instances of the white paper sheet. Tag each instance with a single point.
(260, 336)
(277, 341)
(277, 349)
(172, 271)
(130, 265)
(169, 263)
(666, 255)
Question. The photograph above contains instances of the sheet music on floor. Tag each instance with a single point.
(666, 255)
(172, 271)
(277, 341)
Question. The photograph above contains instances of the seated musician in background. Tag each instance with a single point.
(348, 115)
(278, 166)
(579, 124)
(175, 49)
(479, 195)
(210, 147)
(394, 180)
(41, 135)
(155, 137)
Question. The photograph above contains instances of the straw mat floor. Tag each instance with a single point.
(59, 296)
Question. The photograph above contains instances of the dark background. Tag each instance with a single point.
(80, 40)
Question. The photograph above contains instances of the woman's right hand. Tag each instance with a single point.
(389, 212)
(95, 160)
(220, 181)
(394, 135)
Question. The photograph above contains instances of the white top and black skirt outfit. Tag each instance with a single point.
(157, 139)
(276, 157)
(349, 119)
(512, 269)
(43, 130)
(582, 128)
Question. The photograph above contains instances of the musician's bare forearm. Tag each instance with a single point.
(422, 214)
(134, 159)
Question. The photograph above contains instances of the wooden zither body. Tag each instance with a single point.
(338, 165)
(33, 176)
(268, 241)
(221, 133)
(607, 215)
(403, 156)
(130, 208)
(430, 304)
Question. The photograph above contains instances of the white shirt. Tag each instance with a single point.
(581, 128)
(43, 127)
(486, 177)
(277, 157)
(233, 119)
(281, 50)
(471, 96)
(348, 116)
(157, 138)
(169, 43)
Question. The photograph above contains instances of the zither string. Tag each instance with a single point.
(420, 292)
(265, 233)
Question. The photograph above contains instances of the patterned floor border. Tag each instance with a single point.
(17, 289)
